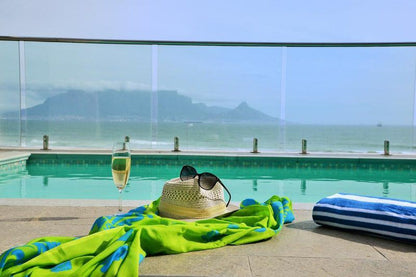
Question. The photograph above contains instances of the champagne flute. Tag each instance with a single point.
(120, 167)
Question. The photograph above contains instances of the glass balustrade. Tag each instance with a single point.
(212, 97)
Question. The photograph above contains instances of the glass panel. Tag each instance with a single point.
(9, 94)
(219, 97)
(87, 95)
(350, 99)
(341, 99)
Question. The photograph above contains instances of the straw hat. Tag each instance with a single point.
(186, 200)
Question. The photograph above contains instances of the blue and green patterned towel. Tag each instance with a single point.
(116, 245)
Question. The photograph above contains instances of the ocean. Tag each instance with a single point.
(208, 136)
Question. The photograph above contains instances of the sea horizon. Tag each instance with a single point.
(209, 135)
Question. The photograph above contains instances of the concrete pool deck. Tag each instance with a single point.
(303, 248)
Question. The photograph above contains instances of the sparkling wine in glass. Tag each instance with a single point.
(120, 167)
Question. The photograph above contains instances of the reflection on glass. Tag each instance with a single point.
(350, 99)
(340, 99)
(233, 97)
(9, 94)
(97, 91)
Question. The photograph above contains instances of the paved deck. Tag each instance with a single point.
(7, 157)
(301, 249)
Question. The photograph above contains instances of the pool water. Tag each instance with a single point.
(63, 181)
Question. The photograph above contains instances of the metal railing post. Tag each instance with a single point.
(255, 145)
(304, 146)
(386, 147)
(176, 144)
(45, 142)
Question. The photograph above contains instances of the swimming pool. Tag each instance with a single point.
(303, 184)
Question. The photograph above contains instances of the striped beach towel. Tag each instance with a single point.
(392, 218)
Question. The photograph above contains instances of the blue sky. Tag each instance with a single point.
(231, 20)
(323, 85)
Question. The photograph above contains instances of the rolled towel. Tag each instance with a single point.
(388, 217)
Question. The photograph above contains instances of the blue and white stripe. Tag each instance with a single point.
(383, 216)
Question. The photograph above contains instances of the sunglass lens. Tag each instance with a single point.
(207, 180)
(187, 172)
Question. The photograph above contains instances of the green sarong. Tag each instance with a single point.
(116, 245)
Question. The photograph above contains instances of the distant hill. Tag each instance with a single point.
(112, 105)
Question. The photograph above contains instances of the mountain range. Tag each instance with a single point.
(110, 105)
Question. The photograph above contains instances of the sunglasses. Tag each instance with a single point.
(206, 180)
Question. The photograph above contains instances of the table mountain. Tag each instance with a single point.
(137, 106)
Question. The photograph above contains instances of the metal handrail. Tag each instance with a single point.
(210, 43)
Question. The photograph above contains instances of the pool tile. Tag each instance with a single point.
(234, 161)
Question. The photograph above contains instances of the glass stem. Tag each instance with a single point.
(120, 207)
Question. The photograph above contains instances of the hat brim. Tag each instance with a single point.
(228, 210)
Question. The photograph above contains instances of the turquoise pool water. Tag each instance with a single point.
(92, 181)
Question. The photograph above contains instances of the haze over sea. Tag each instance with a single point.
(77, 119)
(272, 137)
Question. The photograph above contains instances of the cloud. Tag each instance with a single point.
(36, 92)
(89, 86)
